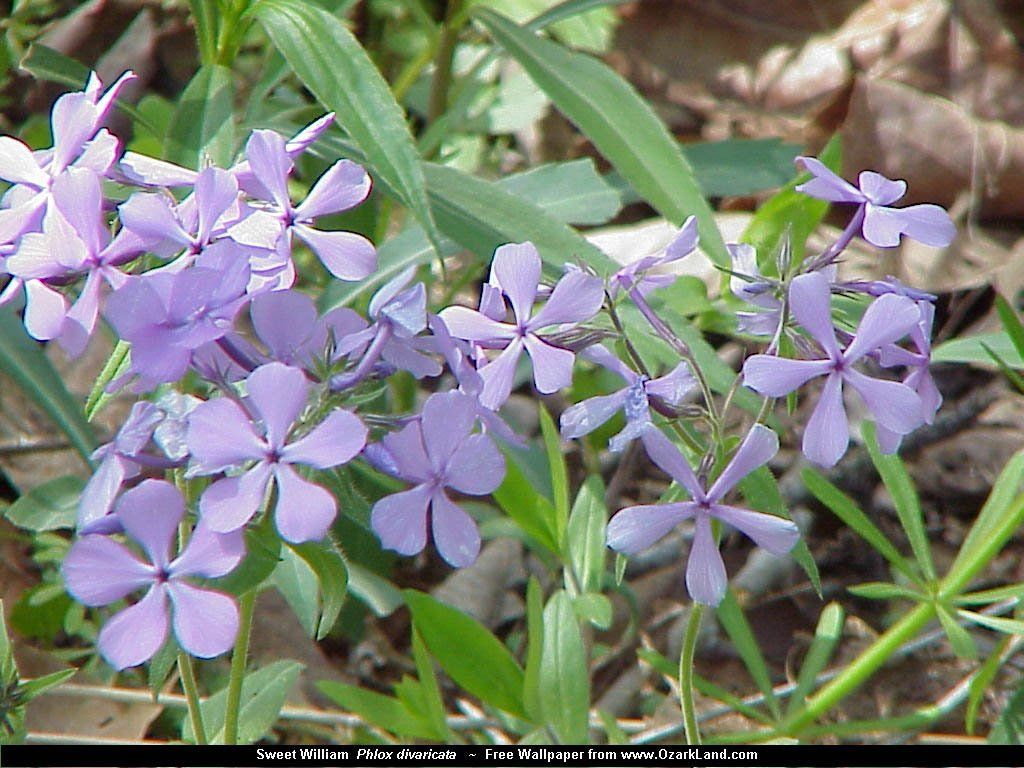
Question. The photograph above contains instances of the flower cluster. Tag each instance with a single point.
(195, 271)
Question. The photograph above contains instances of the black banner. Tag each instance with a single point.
(45, 756)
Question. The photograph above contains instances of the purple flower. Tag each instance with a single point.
(346, 255)
(756, 290)
(99, 571)
(516, 270)
(894, 406)
(222, 436)
(167, 315)
(636, 528)
(74, 241)
(435, 453)
(586, 416)
(889, 285)
(880, 224)
(635, 274)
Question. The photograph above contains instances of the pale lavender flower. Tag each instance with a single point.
(99, 571)
(894, 406)
(167, 315)
(634, 399)
(346, 255)
(756, 290)
(889, 285)
(575, 298)
(435, 453)
(634, 529)
(880, 224)
(637, 273)
(222, 436)
(74, 242)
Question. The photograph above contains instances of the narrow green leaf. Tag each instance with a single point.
(881, 590)
(826, 637)
(587, 534)
(1012, 324)
(202, 129)
(117, 365)
(617, 120)
(959, 638)
(25, 362)
(904, 495)
(531, 511)
(534, 649)
(30, 689)
(971, 349)
(567, 10)
(380, 595)
(998, 623)
(846, 510)
(559, 472)
(331, 574)
(431, 693)
(161, 665)
(263, 694)
(982, 680)
(385, 712)
(735, 623)
(564, 683)
(330, 62)
(472, 656)
(51, 506)
(1014, 378)
(989, 596)
(571, 192)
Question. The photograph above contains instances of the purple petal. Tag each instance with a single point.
(278, 393)
(447, 420)
(608, 359)
(72, 124)
(663, 453)
(149, 215)
(880, 190)
(757, 448)
(826, 185)
(209, 554)
(98, 571)
(284, 321)
(455, 533)
(134, 635)
(35, 257)
(552, 366)
(894, 405)
(45, 310)
(928, 224)
(259, 229)
(775, 534)
(400, 520)
(685, 241)
(634, 529)
(336, 440)
(888, 441)
(810, 299)
(78, 196)
(408, 454)
(401, 354)
(142, 169)
(231, 502)
(499, 374)
(304, 510)
(466, 323)
(80, 321)
(205, 621)
(476, 468)
(575, 298)
(586, 416)
(347, 255)
(706, 580)
(492, 302)
(516, 269)
(270, 164)
(18, 166)
(221, 436)
(674, 386)
(150, 513)
(827, 434)
(215, 192)
(101, 490)
(888, 319)
(344, 185)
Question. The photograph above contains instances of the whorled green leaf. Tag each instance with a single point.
(622, 126)
(332, 64)
(959, 638)
(564, 682)
(202, 128)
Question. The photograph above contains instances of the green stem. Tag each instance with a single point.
(443, 61)
(188, 684)
(205, 16)
(686, 675)
(860, 670)
(238, 660)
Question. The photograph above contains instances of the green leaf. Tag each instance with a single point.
(473, 657)
(826, 637)
(431, 693)
(296, 581)
(330, 62)
(564, 683)
(117, 365)
(571, 192)
(202, 130)
(48, 507)
(263, 694)
(988, 596)
(559, 472)
(847, 510)
(25, 362)
(328, 565)
(982, 681)
(30, 689)
(385, 712)
(904, 495)
(883, 590)
(959, 638)
(530, 510)
(1009, 728)
(1011, 323)
(568, 9)
(971, 349)
(587, 534)
(617, 120)
(161, 665)
(594, 608)
(998, 623)
(732, 619)
(534, 649)
(380, 595)
(262, 554)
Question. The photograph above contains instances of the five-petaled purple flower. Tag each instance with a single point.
(636, 528)
(637, 273)
(99, 571)
(880, 224)
(895, 406)
(516, 270)
(222, 436)
(436, 452)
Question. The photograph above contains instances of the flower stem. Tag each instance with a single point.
(686, 675)
(443, 60)
(238, 660)
(188, 684)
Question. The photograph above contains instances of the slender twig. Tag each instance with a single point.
(238, 661)
(188, 683)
